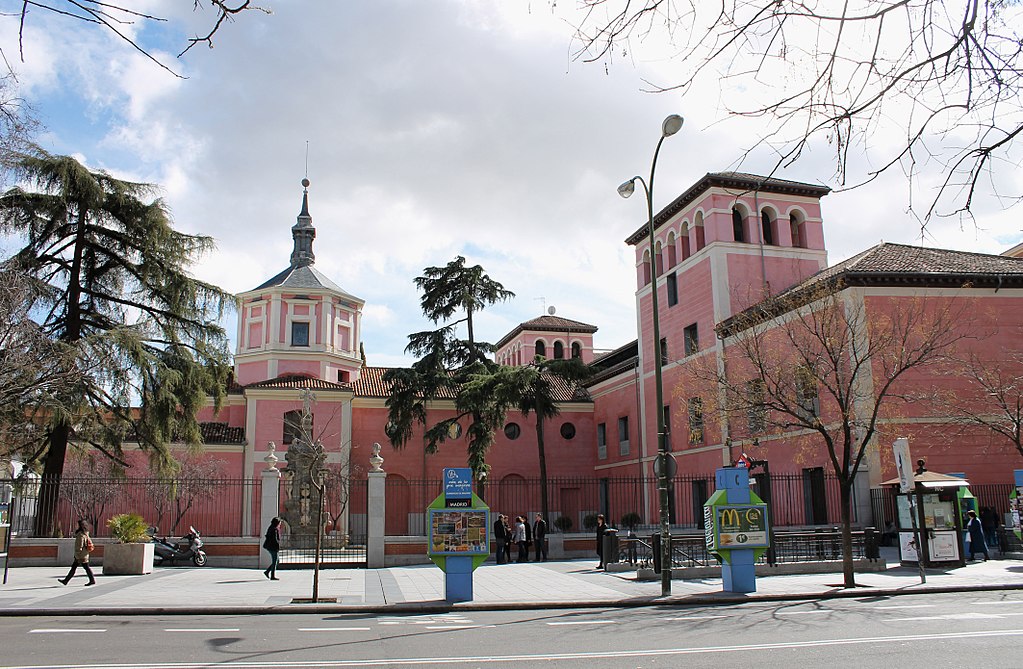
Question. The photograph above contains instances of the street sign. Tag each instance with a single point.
(457, 483)
(669, 459)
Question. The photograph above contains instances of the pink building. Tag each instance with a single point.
(723, 246)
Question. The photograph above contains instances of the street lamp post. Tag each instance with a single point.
(669, 127)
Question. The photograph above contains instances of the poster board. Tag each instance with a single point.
(459, 532)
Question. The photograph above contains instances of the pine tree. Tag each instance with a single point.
(117, 290)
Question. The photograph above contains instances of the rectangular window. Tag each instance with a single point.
(602, 441)
(672, 284)
(756, 412)
(300, 333)
(695, 420)
(806, 392)
(623, 435)
(664, 350)
(691, 339)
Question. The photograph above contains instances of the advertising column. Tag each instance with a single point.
(459, 540)
(736, 529)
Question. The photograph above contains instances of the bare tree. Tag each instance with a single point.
(89, 487)
(945, 74)
(120, 19)
(994, 400)
(197, 478)
(817, 366)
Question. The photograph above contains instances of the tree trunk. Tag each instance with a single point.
(543, 467)
(49, 491)
(845, 496)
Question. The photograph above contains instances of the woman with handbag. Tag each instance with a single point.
(272, 544)
(83, 546)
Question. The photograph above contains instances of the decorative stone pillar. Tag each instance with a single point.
(375, 511)
(269, 507)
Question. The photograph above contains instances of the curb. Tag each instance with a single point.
(715, 599)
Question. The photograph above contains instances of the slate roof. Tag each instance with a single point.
(221, 433)
(294, 382)
(548, 324)
(889, 264)
(305, 277)
(740, 181)
(371, 384)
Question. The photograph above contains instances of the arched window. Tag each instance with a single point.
(766, 225)
(684, 238)
(559, 350)
(700, 239)
(738, 231)
(292, 426)
(577, 350)
(645, 272)
(671, 250)
(658, 259)
(798, 231)
(541, 349)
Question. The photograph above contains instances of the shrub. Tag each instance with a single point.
(128, 528)
(631, 520)
(590, 521)
(563, 523)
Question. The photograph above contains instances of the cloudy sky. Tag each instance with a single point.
(434, 129)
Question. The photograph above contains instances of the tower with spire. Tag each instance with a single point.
(299, 323)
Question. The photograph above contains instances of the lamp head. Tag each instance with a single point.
(627, 188)
(671, 125)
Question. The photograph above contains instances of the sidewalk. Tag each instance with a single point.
(569, 584)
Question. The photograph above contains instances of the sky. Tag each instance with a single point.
(428, 130)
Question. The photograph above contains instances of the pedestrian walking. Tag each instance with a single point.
(601, 531)
(511, 538)
(976, 531)
(272, 544)
(500, 539)
(83, 546)
(989, 521)
(520, 539)
(540, 538)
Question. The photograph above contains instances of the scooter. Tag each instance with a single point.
(189, 547)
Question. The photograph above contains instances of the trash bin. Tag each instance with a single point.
(610, 545)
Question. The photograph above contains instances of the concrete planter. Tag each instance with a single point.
(128, 558)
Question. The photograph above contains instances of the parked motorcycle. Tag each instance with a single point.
(188, 547)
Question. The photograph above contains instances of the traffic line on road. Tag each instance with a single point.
(201, 629)
(457, 627)
(583, 622)
(693, 617)
(905, 606)
(333, 629)
(955, 616)
(64, 631)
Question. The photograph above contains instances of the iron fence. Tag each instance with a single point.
(53, 507)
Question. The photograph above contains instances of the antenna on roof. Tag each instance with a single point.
(307, 159)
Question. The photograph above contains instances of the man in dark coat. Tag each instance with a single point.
(976, 531)
(500, 538)
(540, 538)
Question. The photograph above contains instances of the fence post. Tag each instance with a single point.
(269, 501)
(375, 510)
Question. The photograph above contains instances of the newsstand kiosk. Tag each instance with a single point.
(935, 503)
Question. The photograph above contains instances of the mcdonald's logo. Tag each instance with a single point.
(730, 517)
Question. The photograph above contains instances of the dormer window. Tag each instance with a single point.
(300, 333)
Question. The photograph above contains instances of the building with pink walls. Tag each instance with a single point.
(724, 246)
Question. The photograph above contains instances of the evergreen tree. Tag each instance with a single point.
(117, 290)
(450, 367)
(540, 385)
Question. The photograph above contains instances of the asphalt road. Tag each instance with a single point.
(908, 632)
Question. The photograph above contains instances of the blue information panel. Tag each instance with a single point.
(457, 484)
(459, 532)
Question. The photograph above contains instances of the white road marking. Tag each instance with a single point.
(906, 606)
(802, 613)
(954, 616)
(694, 617)
(583, 622)
(333, 629)
(1001, 603)
(532, 659)
(64, 631)
(457, 627)
(201, 629)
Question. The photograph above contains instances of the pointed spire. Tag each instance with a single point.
(303, 233)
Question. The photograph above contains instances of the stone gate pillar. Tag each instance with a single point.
(270, 502)
(375, 511)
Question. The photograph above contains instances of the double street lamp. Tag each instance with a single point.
(669, 127)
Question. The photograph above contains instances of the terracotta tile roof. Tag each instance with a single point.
(221, 433)
(736, 181)
(548, 324)
(371, 384)
(889, 264)
(292, 382)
